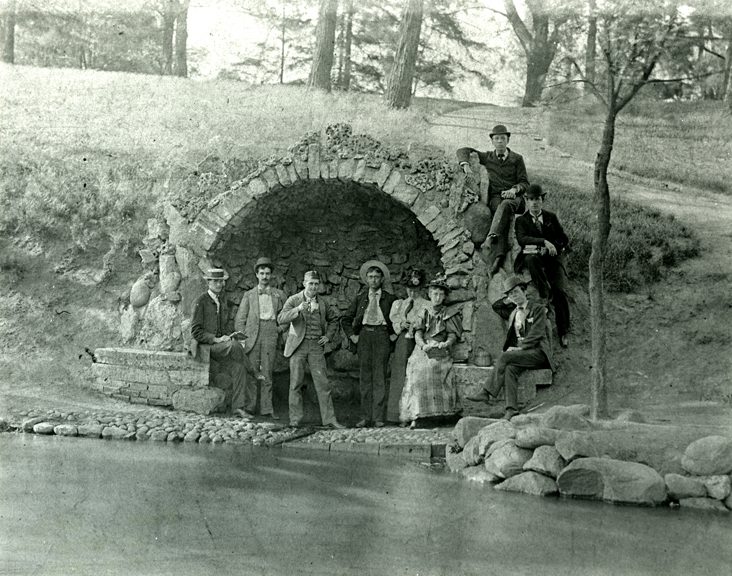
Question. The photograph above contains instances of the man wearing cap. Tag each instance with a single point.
(229, 363)
(508, 182)
(527, 346)
(257, 319)
(367, 324)
(311, 326)
(543, 244)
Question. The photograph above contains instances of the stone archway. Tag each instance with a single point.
(423, 198)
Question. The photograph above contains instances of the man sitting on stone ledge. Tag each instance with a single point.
(229, 363)
(527, 346)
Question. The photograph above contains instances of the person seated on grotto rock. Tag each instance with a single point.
(229, 362)
(527, 346)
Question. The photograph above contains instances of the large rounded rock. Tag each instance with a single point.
(535, 436)
(468, 427)
(65, 430)
(573, 445)
(717, 487)
(613, 481)
(198, 400)
(708, 456)
(529, 483)
(455, 460)
(90, 430)
(43, 428)
(679, 486)
(546, 460)
(480, 475)
(477, 446)
(116, 432)
(508, 460)
(703, 504)
(565, 418)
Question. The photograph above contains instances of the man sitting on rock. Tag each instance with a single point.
(507, 183)
(527, 346)
(543, 244)
(311, 326)
(229, 363)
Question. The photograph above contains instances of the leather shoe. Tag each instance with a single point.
(510, 413)
(482, 396)
(361, 424)
(336, 425)
(379, 424)
(244, 414)
(271, 415)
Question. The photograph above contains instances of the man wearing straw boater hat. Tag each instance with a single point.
(527, 346)
(507, 183)
(311, 326)
(229, 363)
(257, 319)
(367, 324)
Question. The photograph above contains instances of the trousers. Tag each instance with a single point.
(310, 352)
(374, 348)
(550, 278)
(262, 357)
(229, 368)
(503, 211)
(509, 367)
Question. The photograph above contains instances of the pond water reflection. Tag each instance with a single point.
(101, 507)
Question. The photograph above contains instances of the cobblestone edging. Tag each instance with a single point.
(164, 426)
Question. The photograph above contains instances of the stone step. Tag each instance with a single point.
(469, 378)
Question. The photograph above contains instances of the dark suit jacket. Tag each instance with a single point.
(247, 316)
(353, 318)
(527, 234)
(206, 324)
(291, 316)
(537, 331)
(503, 175)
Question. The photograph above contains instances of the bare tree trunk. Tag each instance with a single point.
(283, 32)
(600, 233)
(724, 92)
(168, 35)
(591, 48)
(399, 86)
(181, 40)
(324, 45)
(8, 54)
(538, 62)
(347, 44)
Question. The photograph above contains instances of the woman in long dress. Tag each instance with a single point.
(429, 389)
(404, 313)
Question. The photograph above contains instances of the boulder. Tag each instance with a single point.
(529, 483)
(91, 430)
(522, 420)
(476, 447)
(728, 501)
(498, 444)
(708, 456)
(573, 445)
(546, 460)
(679, 486)
(565, 418)
(613, 481)
(480, 475)
(703, 504)
(468, 427)
(717, 487)
(198, 400)
(455, 460)
(65, 430)
(115, 432)
(43, 428)
(161, 326)
(508, 460)
(169, 273)
(535, 436)
(27, 425)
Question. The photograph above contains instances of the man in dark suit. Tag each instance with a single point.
(543, 244)
(527, 346)
(311, 326)
(507, 183)
(229, 363)
(367, 324)
(257, 319)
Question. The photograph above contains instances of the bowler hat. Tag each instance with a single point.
(512, 281)
(374, 264)
(216, 274)
(534, 191)
(499, 129)
(263, 262)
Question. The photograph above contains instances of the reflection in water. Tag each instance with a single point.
(100, 507)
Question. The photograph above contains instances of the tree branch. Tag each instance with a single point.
(518, 25)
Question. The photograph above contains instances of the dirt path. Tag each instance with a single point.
(670, 346)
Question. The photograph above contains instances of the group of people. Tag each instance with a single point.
(419, 331)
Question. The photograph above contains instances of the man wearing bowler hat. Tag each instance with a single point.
(311, 326)
(229, 363)
(508, 182)
(257, 319)
(527, 346)
(368, 326)
(543, 244)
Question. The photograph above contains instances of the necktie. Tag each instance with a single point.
(500, 157)
(371, 316)
(263, 291)
(537, 223)
(408, 307)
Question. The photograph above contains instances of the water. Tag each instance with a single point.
(79, 506)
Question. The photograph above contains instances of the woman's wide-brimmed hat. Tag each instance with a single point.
(375, 264)
(499, 129)
(216, 274)
(413, 278)
(512, 281)
(440, 283)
